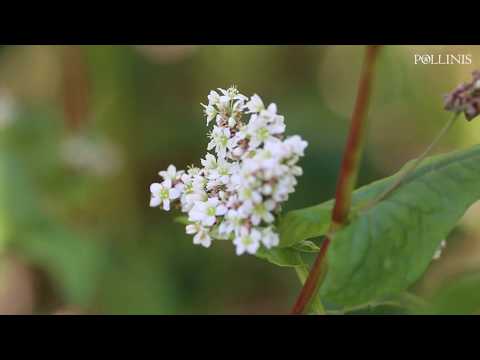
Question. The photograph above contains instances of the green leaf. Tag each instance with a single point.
(302, 224)
(387, 247)
(306, 247)
(281, 257)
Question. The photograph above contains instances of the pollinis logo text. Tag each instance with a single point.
(443, 59)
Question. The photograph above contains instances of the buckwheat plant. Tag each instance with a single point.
(249, 171)
(364, 248)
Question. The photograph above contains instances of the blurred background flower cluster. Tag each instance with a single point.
(85, 129)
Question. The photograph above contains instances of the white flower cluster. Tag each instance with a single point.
(238, 191)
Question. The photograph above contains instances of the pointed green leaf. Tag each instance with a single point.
(282, 257)
(386, 248)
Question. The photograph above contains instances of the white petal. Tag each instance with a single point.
(209, 220)
(174, 193)
(252, 248)
(240, 249)
(213, 201)
(167, 183)
(172, 170)
(191, 229)
(268, 217)
(255, 219)
(155, 188)
(155, 201)
(221, 210)
(195, 215)
(272, 108)
(206, 242)
(166, 205)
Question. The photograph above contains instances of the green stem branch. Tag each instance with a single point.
(414, 165)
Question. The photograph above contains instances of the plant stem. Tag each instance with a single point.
(316, 305)
(313, 280)
(346, 180)
(353, 149)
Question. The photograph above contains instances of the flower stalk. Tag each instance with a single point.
(346, 180)
(414, 165)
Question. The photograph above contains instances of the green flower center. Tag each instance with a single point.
(263, 134)
(164, 194)
(223, 140)
(247, 240)
(211, 211)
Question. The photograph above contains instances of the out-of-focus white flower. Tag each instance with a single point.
(95, 157)
(238, 191)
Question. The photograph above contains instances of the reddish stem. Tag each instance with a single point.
(353, 149)
(346, 180)
(76, 87)
(310, 286)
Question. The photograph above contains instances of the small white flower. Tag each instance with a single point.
(257, 131)
(210, 112)
(239, 105)
(213, 98)
(220, 141)
(191, 229)
(202, 236)
(277, 126)
(199, 183)
(162, 194)
(206, 212)
(189, 200)
(247, 241)
(246, 193)
(296, 144)
(261, 211)
(232, 93)
(245, 210)
(255, 104)
(170, 175)
(231, 224)
(270, 238)
(270, 113)
(231, 122)
(210, 162)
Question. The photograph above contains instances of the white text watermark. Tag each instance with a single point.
(443, 59)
